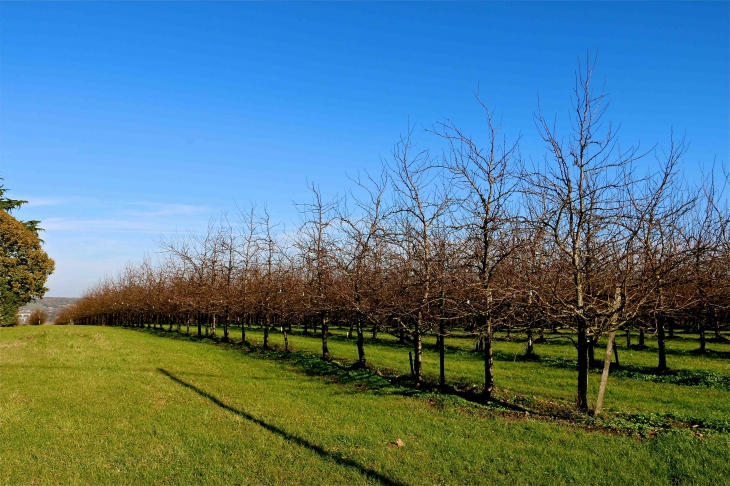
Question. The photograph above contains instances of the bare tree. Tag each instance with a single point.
(421, 210)
(488, 178)
(582, 191)
(313, 242)
(359, 253)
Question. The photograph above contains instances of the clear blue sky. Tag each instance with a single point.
(123, 121)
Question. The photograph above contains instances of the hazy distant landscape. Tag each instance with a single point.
(52, 306)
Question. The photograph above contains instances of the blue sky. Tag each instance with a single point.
(121, 122)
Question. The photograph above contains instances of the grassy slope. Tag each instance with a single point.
(90, 405)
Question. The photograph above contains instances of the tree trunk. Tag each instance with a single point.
(488, 360)
(325, 328)
(591, 343)
(266, 331)
(641, 337)
(418, 350)
(360, 343)
(604, 375)
(582, 399)
(661, 341)
(703, 340)
(628, 337)
(442, 349)
(529, 351)
(615, 352)
(441, 344)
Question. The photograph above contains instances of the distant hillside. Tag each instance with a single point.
(50, 305)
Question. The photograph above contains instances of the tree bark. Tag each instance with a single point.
(604, 375)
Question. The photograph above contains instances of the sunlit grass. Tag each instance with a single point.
(90, 405)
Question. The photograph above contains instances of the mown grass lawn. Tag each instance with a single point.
(108, 405)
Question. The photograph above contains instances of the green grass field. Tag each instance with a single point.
(91, 405)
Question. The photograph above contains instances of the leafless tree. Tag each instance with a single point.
(314, 243)
(421, 209)
(488, 180)
(582, 190)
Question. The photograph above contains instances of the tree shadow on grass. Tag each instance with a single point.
(368, 473)
(652, 349)
(682, 377)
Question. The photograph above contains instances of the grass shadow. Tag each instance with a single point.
(368, 473)
(652, 349)
(696, 378)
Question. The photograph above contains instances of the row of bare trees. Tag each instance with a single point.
(595, 238)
